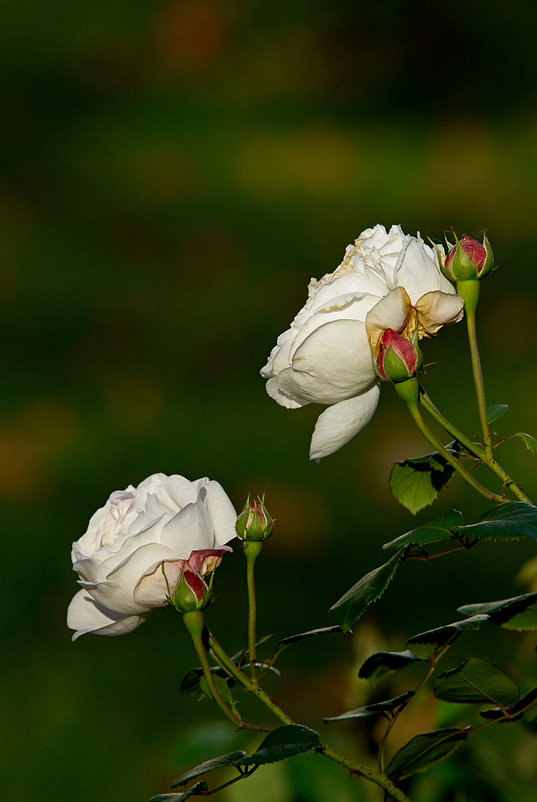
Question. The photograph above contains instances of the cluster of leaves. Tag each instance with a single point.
(509, 521)
(474, 681)
(416, 482)
(281, 744)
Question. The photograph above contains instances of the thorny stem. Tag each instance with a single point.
(194, 623)
(375, 777)
(478, 375)
(428, 434)
(473, 448)
(252, 550)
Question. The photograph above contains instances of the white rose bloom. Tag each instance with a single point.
(385, 279)
(165, 524)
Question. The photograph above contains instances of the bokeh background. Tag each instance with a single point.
(173, 175)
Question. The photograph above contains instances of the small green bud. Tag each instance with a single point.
(191, 593)
(468, 259)
(254, 523)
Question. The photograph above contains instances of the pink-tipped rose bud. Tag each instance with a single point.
(191, 593)
(468, 259)
(397, 359)
(254, 523)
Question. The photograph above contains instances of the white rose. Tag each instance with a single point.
(326, 356)
(142, 533)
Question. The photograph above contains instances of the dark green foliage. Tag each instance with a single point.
(312, 633)
(383, 662)
(496, 411)
(476, 680)
(423, 751)
(519, 612)
(200, 789)
(284, 742)
(231, 759)
(351, 606)
(439, 529)
(425, 644)
(386, 708)
(415, 483)
(510, 520)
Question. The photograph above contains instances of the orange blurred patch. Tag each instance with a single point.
(190, 36)
(30, 444)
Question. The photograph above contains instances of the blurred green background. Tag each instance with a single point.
(173, 175)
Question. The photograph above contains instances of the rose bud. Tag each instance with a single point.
(254, 523)
(468, 259)
(191, 593)
(397, 359)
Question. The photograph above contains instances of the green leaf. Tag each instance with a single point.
(423, 751)
(529, 441)
(476, 680)
(524, 707)
(506, 521)
(415, 483)
(439, 529)
(496, 411)
(351, 606)
(215, 763)
(282, 743)
(377, 709)
(426, 643)
(518, 613)
(199, 789)
(221, 686)
(382, 663)
(312, 633)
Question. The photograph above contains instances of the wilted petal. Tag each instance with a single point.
(436, 309)
(391, 312)
(341, 422)
(86, 616)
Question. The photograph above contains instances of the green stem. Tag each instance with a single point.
(227, 664)
(194, 623)
(479, 383)
(468, 478)
(252, 550)
(375, 777)
(473, 448)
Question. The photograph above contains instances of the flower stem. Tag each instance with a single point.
(194, 623)
(378, 778)
(473, 448)
(252, 550)
(375, 777)
(469, 290)
(227, 664)
(468, 478)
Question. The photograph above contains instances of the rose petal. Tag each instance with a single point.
(436, 309)
(190, 530)
(391, 312)
(221, 512)
(341, 422)
(117, 591)
(418, 272)
(86, 616)
(153, 588)
(334, 363)
(279, 395)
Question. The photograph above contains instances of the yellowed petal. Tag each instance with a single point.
(436, 309)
